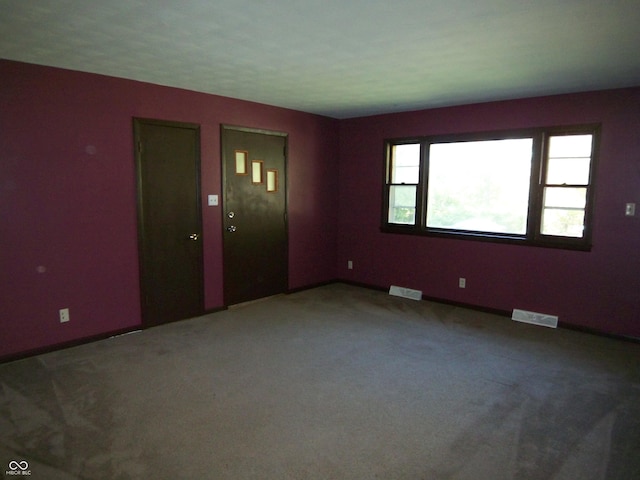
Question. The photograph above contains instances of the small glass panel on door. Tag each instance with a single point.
(272, 181)
(241, 162)
(256, 172)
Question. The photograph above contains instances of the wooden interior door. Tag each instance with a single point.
(169, 220)
(255, 214)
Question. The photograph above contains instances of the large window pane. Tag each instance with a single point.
(402, 204)
(480, 186)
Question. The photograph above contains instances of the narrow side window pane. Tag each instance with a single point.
(480, 186)
(402, 204)
(567, 170)
(569, 159)
(564, 199)
(570, 145)
(563, 222)
(563, 211)
(405, 163)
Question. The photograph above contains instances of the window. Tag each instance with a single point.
(533, 187)
(404, 179)
(566, 183)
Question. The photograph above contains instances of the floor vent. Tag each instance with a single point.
(126, 333)
(405, 292)
(534, 318)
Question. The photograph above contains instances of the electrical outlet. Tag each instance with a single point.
(630, 209)
(462, 282)
(64, 315)
(350, 264)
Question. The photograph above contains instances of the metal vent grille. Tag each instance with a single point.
(405, 292)
(535, 318)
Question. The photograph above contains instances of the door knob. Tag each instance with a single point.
(194, 237)
(231, 228)
(231, 214)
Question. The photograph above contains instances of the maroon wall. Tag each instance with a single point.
(68, 231)
(598, 289)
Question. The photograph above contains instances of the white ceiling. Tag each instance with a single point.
(340, 58)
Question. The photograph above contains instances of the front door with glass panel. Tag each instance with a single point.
(254, 209)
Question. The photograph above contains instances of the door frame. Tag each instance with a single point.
(137, 123)
(225, 127)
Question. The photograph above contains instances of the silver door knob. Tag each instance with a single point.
(194, 237)
(231, 228)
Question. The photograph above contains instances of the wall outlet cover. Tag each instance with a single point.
(64, 315)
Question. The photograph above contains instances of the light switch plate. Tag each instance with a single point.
(630, 209)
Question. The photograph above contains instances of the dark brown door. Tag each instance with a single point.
(169, 220)
(255, 222)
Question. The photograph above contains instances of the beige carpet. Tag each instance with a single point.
(337, 382)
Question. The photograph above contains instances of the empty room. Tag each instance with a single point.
(320, 240)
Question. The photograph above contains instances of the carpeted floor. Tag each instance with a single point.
(337, 382)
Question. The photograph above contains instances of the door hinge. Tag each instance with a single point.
(139, 146)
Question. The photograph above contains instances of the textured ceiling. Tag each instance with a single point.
(340, 58)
